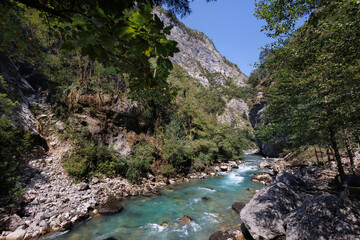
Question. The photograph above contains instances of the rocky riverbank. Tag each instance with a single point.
(298, 196)
(54, 202)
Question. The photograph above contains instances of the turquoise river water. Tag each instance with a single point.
(142, 217)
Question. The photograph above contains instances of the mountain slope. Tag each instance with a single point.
(199, 56)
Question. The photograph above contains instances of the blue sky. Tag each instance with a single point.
(233, 28)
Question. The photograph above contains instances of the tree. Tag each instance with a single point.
(315, 94)
(281, 16)
(120, 33)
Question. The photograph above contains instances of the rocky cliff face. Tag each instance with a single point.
(256, 116)
(198, 55)
(200, 58)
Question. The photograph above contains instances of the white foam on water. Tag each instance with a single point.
(104, 236)
(211, 214)
(245, 168)
(55, 235)
(207, 189)
(235, 178)
(209, 217)
(195, 227)
(193, 201)
(154, 227)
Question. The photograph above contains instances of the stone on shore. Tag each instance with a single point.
(110, 205)
(227, 235)
(264, 215)
(16, 235)
(324, 216)
(263, 178)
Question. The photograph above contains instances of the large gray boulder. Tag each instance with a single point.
(264, 215)
(110, 205)
(325, 216)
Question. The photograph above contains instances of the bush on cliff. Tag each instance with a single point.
(14, 144)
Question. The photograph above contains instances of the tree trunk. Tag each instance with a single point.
(322, 155)
(328, 153)
(349, 152)
(337, 155)
(316, 155)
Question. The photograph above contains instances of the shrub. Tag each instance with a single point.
(14, 143)
(89, 159)
(139, 162)
(168, 170)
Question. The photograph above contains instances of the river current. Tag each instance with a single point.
(206, 201)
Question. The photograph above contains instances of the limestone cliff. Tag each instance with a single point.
(199, 56)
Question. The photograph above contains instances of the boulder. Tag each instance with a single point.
(110, 205)
(233, 164)
(206, 199)
(263, 178)
(334, 218)
(264, 164)
(219, 235)
(238, 206)
(290, 180)
(16, 235)
(185, 220)
(223, 168)
(82, 186)
(264, 215)
(14, 222)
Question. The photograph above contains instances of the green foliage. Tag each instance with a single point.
(14, 143)
(139, 162)
(128, 38)
(281, 16)
(193, 137)
(88, 158)
(314, 77)
(168, 170)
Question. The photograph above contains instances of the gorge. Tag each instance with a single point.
(117, 121)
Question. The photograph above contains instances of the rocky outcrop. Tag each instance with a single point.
(198, 55)
(264, 215)
(263, 178)
(111, 119)
(284, 209)
(334, 218)
(235, 114)
(256, 116)
(227, 235)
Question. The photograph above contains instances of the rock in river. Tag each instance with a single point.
(238, 206)
(111, 205)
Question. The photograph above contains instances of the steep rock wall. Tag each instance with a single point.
(198, 55)
(256, 116)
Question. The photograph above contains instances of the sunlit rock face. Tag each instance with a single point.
(198, 55)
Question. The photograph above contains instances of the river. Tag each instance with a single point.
(206, 201)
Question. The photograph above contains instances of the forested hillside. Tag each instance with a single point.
(310, 79)
(114, 110)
